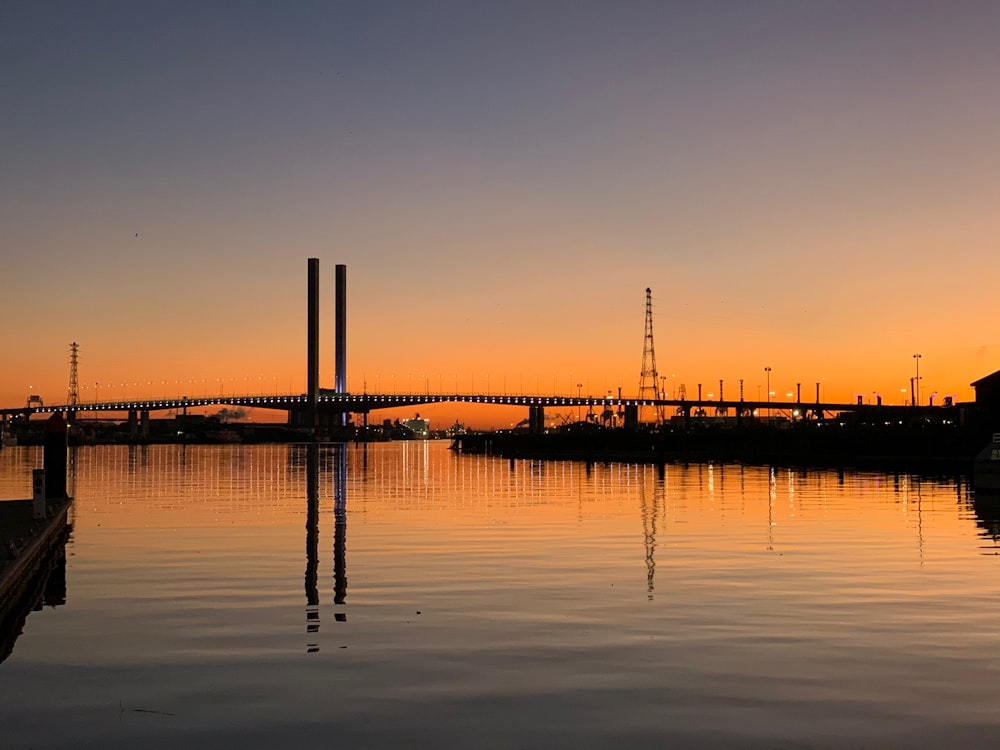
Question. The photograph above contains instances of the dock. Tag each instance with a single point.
(32, 563)
(33, 536)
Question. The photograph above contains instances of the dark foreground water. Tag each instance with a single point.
(435, 600)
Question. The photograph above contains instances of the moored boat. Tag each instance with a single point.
(986, 470)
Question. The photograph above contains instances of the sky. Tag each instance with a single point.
(806, 186)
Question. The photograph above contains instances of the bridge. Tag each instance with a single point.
(347, 403)
(325, 408)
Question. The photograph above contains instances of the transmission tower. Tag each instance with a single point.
(74, 383)
(648, 380)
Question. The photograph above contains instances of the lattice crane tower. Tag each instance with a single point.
(74, 382)
(648, 381)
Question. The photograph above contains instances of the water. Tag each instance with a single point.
(451, 601)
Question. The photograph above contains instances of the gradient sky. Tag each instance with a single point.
(809, 186)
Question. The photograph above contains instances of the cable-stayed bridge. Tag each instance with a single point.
(364, 403)
(319, 407)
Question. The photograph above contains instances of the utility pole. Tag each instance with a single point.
(648, 384)
(74, 383)
(767, 371)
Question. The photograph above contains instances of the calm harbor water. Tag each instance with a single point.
(401, 595)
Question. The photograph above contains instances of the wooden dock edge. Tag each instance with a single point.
(34, 553)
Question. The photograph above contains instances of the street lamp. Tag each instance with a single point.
(767, 371)
(916, 384)
(579, 386)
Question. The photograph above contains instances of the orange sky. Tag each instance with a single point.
(808, 189)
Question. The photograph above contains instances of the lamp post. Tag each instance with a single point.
(767, 372)
(916, 383)
(579, 387)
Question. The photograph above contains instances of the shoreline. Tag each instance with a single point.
(933, 452)
(30, 550)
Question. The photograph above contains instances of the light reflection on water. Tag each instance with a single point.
(375, 596)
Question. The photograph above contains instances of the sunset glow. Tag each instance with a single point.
(810, 188)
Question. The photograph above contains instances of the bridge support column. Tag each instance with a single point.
(55, 456)
(312, 343)
(340, 343)
(536, 420)
(133, 423)
(631, 417)
(144, 422)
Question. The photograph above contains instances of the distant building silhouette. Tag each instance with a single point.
(988, 399)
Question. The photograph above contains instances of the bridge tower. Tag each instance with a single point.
(340, 344)
(340, 325)
(648, 380)
(312, 343)
(74, 381)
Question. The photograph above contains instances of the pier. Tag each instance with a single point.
(32, 564)
(33, 536)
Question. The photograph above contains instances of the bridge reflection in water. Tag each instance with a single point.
(418, 483)
(336, 456)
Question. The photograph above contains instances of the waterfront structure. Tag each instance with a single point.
(325, 412)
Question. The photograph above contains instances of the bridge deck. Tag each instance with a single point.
(359, 403)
